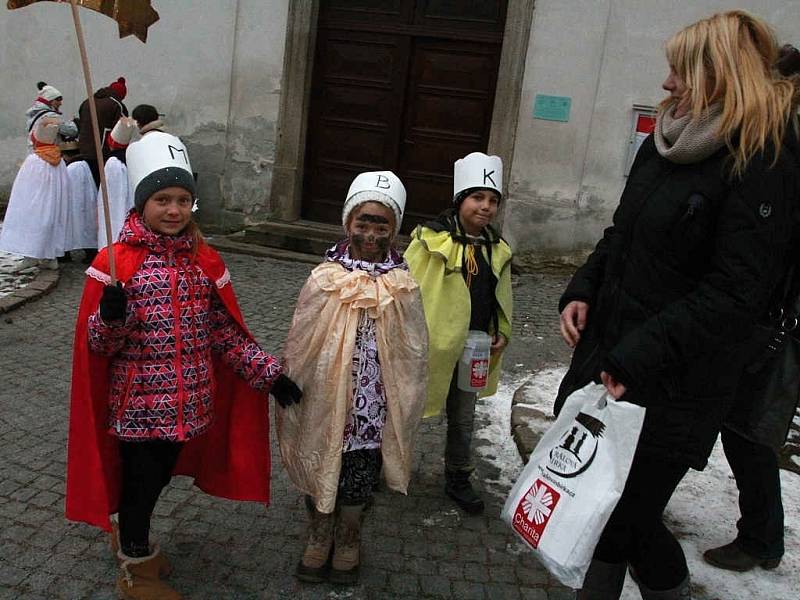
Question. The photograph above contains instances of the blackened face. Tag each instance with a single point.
(371, 231)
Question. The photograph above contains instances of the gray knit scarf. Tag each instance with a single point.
(685, 141)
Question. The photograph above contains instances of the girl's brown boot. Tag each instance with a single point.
(347, 545)
(164, 566)
(139, 578)
(313, 567)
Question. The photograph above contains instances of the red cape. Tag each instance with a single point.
(231, 460)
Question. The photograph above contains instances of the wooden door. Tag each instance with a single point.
(406, 86)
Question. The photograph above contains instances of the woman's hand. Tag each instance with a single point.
(614, 387)
(573, 321)
(499, 342)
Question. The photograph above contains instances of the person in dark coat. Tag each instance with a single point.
(759, 539)
(110, 108)
(663, 309)
(147, 118)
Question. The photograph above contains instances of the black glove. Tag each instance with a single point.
(113, 303)
(286, 391)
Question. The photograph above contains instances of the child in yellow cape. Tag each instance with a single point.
(463, 267)
(358, 348)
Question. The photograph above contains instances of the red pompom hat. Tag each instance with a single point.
(119, 89)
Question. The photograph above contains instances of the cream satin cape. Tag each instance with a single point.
(318, 357)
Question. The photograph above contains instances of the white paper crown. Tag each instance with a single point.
(155, 151)
(477, 170)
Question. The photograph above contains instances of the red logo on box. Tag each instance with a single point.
(479, 372)
(534, 511)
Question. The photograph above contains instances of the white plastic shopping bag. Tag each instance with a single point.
(573, 480)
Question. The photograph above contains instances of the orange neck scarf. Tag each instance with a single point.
(49, 153)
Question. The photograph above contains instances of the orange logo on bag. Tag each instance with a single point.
(534, 511)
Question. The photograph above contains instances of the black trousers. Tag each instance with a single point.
(359, 476)
(146, 469)
(635, 532)
(755, 467)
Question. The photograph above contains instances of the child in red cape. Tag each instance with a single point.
(166, 377)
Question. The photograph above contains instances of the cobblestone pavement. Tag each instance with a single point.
(415, 546)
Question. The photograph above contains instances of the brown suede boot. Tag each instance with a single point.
(313, 567)
(164, 566)
(139, 580)
(347, 545)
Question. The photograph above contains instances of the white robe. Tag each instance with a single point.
(120, 200)
(82, 218)
(36, 217)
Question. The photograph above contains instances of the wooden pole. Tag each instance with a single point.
(98, 143)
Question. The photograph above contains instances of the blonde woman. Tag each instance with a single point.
(663, 309)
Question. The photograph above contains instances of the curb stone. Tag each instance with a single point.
(43, 284)
(522, 417)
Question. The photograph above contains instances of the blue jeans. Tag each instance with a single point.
(755, 467)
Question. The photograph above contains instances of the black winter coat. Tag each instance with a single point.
(675, 286)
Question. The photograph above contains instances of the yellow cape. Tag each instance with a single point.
(435, 262)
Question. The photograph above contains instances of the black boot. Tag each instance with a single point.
(603, 581)
(458, 487)
(732, 558)
(679, 592)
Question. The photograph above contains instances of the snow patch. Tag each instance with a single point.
(494, 415)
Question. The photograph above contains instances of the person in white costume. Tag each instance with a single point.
(82, 221)
(120, 193)
(48, 103)
(36, 216)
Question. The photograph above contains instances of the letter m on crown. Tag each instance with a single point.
(173, 150)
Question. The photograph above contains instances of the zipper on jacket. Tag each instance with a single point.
(176, 311)
(123, 403)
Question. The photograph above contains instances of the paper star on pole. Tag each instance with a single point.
(132, 16)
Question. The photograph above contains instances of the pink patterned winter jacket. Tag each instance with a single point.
(162, 376)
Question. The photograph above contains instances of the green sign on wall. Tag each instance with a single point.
(552, 108)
